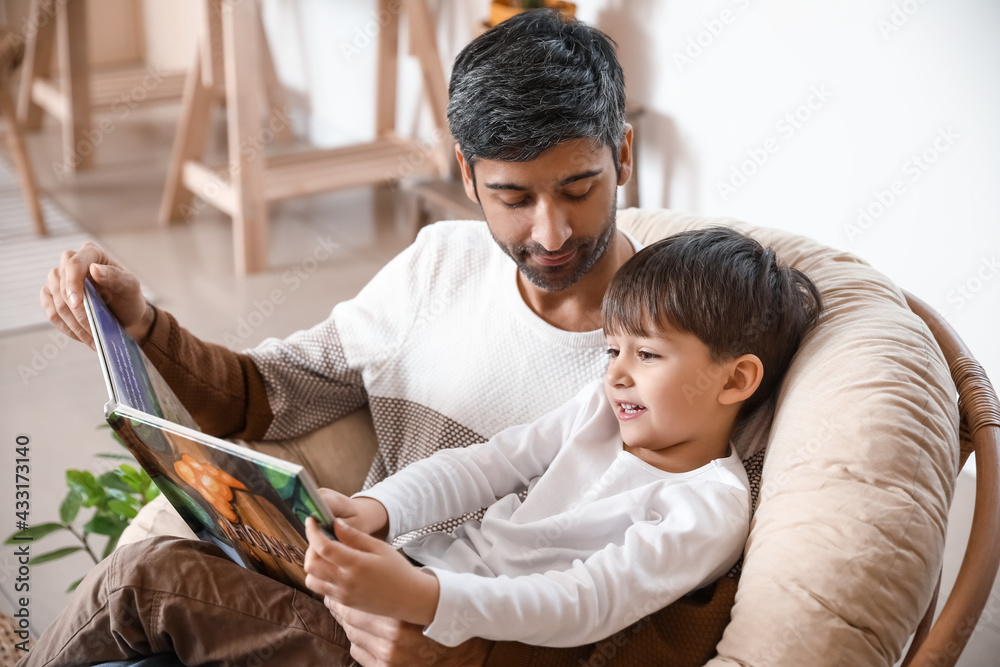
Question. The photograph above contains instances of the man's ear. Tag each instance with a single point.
(468, 180)
(745, 374)
(625, 156)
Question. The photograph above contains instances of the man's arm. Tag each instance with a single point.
(222, 389)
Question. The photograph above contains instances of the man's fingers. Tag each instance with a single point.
(60, 314)
(366, 632)
(363, 656)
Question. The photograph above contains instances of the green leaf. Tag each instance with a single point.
(102, 524)
(70, 507)
(116, 494)
(72, 587)
(113, 480)
(117, 457)
(53, 555)
(36, 532)
(87, 486)
(122, 508)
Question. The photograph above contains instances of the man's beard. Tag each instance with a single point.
(588, 249)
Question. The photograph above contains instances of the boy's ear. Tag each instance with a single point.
(745, 375)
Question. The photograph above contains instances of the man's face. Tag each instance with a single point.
(554, 215)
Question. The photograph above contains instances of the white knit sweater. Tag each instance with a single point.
(440, 344)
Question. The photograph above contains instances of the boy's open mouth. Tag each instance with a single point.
(630, 410)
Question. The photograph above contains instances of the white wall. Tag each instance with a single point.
(890, 83)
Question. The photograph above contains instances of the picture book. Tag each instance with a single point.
(250, 504)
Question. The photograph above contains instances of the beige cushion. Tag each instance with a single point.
(848, 535)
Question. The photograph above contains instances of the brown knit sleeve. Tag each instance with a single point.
(222, 389)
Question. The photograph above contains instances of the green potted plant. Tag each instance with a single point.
(114, 498)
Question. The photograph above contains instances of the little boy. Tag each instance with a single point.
(635, 496)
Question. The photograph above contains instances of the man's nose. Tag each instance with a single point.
(551, 227)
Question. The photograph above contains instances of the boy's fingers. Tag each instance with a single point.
(354, 538)
(339, 504)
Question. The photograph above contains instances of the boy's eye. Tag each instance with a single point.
(612, 352)
(646, 356)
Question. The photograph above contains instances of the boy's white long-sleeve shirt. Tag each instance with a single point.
(601, 540)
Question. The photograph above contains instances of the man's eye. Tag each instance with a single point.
(517, 204)
(578, 197)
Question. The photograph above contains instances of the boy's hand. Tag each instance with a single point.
(365, 514)
(365, 573)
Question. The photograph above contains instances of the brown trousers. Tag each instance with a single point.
(164, 594)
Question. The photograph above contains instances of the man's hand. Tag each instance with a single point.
(379, 641)
(364, 572)
(62, 294)
(365, 514)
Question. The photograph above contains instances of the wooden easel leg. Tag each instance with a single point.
(246, 156)
(276, 98)
(20, 154)
(37, 61)
(423, 45)
(189, 143)
(74, 75)
(387, 67)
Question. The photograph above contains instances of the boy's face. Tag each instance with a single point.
(664, 390)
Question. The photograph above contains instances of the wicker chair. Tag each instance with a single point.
(941, 642)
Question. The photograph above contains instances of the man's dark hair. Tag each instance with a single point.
(723, 287)
(532, 82)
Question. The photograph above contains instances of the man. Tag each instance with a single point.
(447, 345)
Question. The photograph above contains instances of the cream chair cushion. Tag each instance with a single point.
(862, 453)
(848, 536)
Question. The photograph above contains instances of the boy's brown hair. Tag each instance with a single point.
(723, 287)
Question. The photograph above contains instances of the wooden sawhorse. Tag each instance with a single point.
(232, 61)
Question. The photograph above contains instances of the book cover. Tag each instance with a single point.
(250, 504)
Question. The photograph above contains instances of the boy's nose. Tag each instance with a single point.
(617, 375)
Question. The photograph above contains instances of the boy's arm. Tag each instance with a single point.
(613, 588)
(453, 482)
